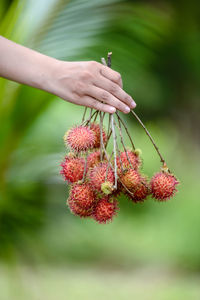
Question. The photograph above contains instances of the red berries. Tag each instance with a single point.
(163, 186)
(80, 138)
(127, 159)
(131, 179)
(97, 179)
(96, 129)
(104, 210)
(82, 195)
(99, 174)
(72, 168)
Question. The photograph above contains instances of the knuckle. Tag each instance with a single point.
(104, 96)
(86, 75)
(97, 105)
(93, 64)
(80, 88)
(113, 89)
(118, 77)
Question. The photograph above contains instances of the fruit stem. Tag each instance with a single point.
(122, 141)
(86, 155)
(114, 149)
(89, 119)
(107, 157)
(149, 135)
(101, 136)
(125, 127)
(108, 166)
(118, 153)
(85, 110)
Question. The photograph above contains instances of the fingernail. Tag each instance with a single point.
(127, 109)
(112, 110)
(133, 104)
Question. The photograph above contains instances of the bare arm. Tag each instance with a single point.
(84, 83)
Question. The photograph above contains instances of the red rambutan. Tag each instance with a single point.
(131, 179)
(93, 159)
(96, 129)
(77, 210)
(72, 168)
(141, 192)
(82, 195)
(80, 138)
(163, 186)
(105, 209)
(134, 158)
(97, 176)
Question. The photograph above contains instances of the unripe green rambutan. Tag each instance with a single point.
(123, 161)
(77, 210)
(107, 187)
(97, 176)
(131, 179)
(96, 129)
(93, 159)
(163, 186)
(82, 195)
(72, 168)
(80, 138)
(105, 209)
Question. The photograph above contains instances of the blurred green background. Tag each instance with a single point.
(150, 251)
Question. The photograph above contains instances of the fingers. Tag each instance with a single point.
(116, 91)
(106, 97)
(93, 103)
(111, 75)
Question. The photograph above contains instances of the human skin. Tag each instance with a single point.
(86, 83)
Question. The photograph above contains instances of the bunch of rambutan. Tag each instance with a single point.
(97, 177)
(89, 175)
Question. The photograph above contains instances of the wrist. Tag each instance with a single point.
(45, 78)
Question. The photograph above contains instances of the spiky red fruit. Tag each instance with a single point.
(93, 159)
(72, 168)
(77, 210)
(141, 192)
(163, 186)
(97, 176)
(82, 195)
(80, 138)
(131, 179)
(134, 158)
(96, 129)
(105, 209)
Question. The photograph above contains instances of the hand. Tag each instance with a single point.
(84, 83)
(90, 84)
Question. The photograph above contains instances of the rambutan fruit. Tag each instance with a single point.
(141, 192)
(78, 210)
(97, 176)
(163, 186)
(96, 129)
(82, 195)
(93, 159)
(133, 157)
(80, 138)
(131, 179)
(72, 168)
(105, 209)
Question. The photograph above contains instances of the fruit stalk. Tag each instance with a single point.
(149, 135)
(114, 149)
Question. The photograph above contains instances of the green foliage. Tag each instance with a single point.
(157, 51)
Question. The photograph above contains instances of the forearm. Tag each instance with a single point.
(24, 65)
